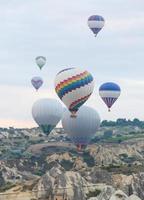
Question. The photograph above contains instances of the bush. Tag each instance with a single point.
(7, 186)
(111, 167)
(108, 134)
(94, 193)
(124, 155)
(88, 159)
(66, 164)
(38, 173)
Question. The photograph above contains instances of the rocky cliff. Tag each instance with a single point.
(71, 185)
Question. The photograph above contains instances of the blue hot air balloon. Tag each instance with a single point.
(82, 128)
(96, 23)
(109, 92)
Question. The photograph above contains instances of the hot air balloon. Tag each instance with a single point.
(74, 86)
(40, 61)
(47, 113)
(109, 92)
(37, 82)
(81, 129)
(96, 23)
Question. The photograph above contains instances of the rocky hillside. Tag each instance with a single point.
(32, 168)
(57, 182)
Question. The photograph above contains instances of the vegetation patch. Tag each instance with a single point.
(88, 159)
(123, 169)
(39, 172)
(94, 193)
(123, 122)
(66, 164)
(7, 186)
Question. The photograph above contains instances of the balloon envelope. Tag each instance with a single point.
(81, 129)
(40, 61)
(109, 92)
(37, 82)
(47, 113)
(96, 23)
(74, 86)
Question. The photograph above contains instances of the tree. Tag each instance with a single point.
(108, 134)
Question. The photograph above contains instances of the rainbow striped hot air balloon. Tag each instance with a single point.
(74, 86)
(109, 92)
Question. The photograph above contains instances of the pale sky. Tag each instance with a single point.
(57, 29)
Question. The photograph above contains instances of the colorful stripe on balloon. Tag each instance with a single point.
(64, 70)
(109, 101)
(70, 80)
(96, 18)
(47, 128)
(75, 105)
(73, 83)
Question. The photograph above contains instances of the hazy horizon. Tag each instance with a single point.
(59, 31)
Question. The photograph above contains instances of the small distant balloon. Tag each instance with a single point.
(109, 92)
(96, 23)
(74, 86)
(40, 61)
(37, 82)
(47, 113)
(82, 128)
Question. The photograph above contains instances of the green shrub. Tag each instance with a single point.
(7, 186)
(38, 173)
(88, 159)
(94, 193)
(66, 164)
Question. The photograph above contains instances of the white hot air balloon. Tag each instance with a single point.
(74, 86)
(40, 61)
(47, 113)
(82, 128)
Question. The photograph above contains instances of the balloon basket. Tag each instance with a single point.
(73, 115)
(81, 148)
